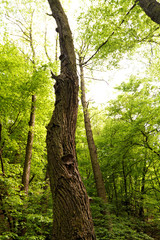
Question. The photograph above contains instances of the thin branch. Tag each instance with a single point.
(32, 178)
(97, 79)
(146, 144)
(16, 22)
(27, 40)
(104, 43)
(2, 165)
(11, 127)
(31, 39)
(1, 150)
(152, 41)
(54, 76)
(45, 45)
(149, 35)
(26, 56)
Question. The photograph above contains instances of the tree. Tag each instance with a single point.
(100, 187)
(72, 217)
(29, 146)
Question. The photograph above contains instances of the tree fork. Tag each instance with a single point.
(72, 218)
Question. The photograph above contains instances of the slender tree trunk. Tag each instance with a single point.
(56, 52)
(27, 164)
(72, 217)
(115, 193)
(126, 201)
(141, 208)
(2, 165)
(1, 150)
(101, 191)
(28, 156)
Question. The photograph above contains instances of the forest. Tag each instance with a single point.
(73, 168)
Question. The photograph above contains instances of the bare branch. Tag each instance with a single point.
(20, 25)
(27, 40)
(97, 79)
(45, 45)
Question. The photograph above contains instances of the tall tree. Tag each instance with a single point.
(29, 146)
(72, 217)
(100, 187)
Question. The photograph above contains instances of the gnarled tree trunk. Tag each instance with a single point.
(72, 218)
(151, 8)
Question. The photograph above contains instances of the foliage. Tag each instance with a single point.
(128, 148)
(18, 82)
(122, 227)
(118, 26)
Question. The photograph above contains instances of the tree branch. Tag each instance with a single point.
(104, 43)
(45, 45)
(97, 79)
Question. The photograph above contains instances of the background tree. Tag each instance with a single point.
(15, 110)
(101, 192)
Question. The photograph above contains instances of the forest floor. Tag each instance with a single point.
(152, 230)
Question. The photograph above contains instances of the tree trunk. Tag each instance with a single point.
(28, 156)
(115, 192)
(72, 217)
(126, 200)
(1, 150)
(141, 208)
(100, 187)
(151, 8)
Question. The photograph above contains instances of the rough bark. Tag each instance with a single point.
(152, 9)
(100, 187)
(28, 156)
(72, 217)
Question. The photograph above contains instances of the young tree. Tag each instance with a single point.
(72, 217)
(100, 187)
(29, 146)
